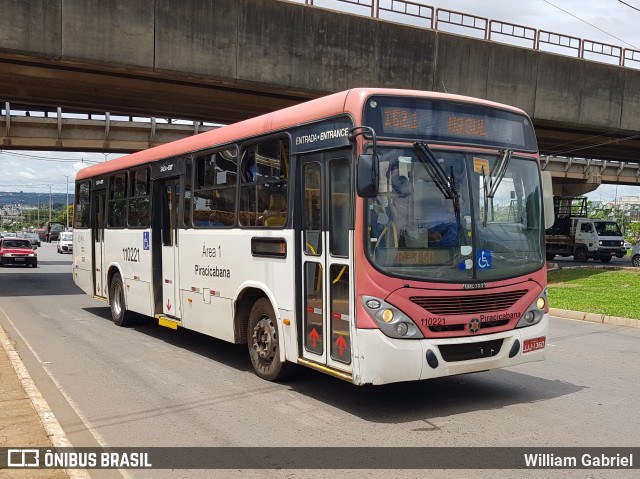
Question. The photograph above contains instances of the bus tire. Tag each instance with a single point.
(119, 313)
(263, 336)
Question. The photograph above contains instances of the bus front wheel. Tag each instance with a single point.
(119, 313)
(264, 348)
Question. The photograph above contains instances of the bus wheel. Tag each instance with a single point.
(119, 313)
(263, 344)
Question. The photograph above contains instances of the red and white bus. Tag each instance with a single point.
(376, 235)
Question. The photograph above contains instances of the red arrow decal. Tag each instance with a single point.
(168, 305)
(314, 336)
(342, 344)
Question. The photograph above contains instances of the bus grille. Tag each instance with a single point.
(465, 352)
(472, 304)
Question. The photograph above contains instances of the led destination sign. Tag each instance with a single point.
(447, 121)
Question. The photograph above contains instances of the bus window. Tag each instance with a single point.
(82, 211)
(214, 195)
(340, 207)
(117, 201)
(312, 209)
(263, 193)
(187, 200)
(139, 208)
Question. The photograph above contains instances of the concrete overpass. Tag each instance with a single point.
(226, 60)
(43, 129)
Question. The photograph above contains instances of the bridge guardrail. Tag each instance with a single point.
(413, 12)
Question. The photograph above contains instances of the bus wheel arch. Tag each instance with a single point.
(118, 301)
(244, 302)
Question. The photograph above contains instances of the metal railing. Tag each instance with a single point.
(426, 16)
(22, 126)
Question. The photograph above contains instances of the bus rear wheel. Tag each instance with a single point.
(263, 337)
(119, 313)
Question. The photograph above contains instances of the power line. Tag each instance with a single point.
(630, 6)
(51, 159)
(590, 24)
(614, 140)
(582, 140)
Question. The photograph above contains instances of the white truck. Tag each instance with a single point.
(573, 234)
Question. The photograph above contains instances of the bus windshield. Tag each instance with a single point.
(476, 227)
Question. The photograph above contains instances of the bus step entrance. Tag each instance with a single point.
(167, 321)
(326, 369)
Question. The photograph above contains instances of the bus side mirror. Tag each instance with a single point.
(367, 176)
(547, 197)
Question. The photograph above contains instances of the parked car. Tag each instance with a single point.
(635, 255)
(18, 251)
(65, 245)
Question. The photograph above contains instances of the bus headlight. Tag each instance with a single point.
(391, 321)
(373, 304)
(402, 328)
(535, 312)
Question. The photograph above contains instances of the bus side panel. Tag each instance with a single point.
(213, 319)
(82, 260)
(214, 266)
(130, 251)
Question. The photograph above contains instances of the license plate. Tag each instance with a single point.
(17, 260)
(533, 344)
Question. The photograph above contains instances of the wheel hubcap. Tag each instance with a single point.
(116, 300)
(264, 339)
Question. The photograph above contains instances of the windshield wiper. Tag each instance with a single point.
(435, 170)
(500, 170)
(491, 185)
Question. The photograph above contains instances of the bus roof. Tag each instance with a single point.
(349, 101)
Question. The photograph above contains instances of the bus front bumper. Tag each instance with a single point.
(381, 360)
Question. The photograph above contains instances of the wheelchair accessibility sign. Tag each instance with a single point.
(145, 240)
(483, 259)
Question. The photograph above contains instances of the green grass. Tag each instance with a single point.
(600, 291)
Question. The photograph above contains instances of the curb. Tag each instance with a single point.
(595, 318)
(50, 423)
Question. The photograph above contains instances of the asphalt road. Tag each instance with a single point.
(615, 262)
(151, 386)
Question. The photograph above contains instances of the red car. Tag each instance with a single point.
(17, 251)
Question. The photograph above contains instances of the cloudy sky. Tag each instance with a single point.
(607, 21)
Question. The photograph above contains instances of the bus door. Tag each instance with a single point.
(325, 241)
(99, 205)
(169, 271)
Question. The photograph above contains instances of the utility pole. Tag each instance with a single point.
(49, 204)
(67, 210)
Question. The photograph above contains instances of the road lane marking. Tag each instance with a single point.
(50, 422)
